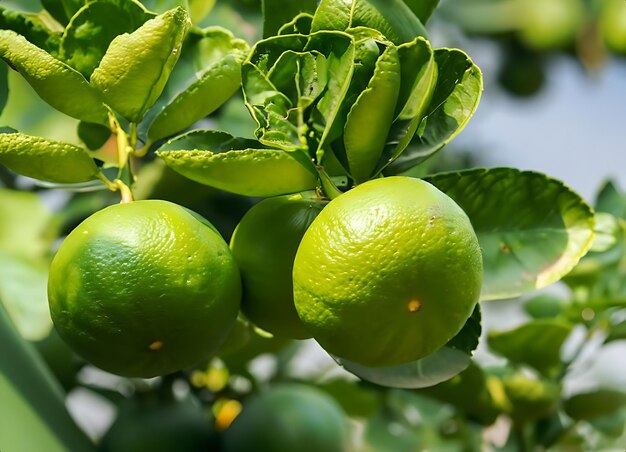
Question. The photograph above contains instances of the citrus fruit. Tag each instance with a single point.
(287, 418)
(612, 22)
(388, 272)
(550, 25)
(154, 425)
(143, 289)
(264, 246)
(530, 398)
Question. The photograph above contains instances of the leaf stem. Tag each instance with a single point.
(327, 185)
(142, 151)
(127, 194)
(110, 185)
(125, 149)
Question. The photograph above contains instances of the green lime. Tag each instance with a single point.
(264, 246)
(550, 24)
(288, 418)
(143, 289)
(530, 399)
(154, 425)
(388, 272)
(612, 22)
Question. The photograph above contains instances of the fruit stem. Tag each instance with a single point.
(125, 148)
(327, 185)
(127, 194)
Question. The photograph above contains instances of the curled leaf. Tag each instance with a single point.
(237, 165)
(219, 56)
(136, 66)
(46, 160)
(55, 82)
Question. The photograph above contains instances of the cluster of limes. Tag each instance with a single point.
(384, 274)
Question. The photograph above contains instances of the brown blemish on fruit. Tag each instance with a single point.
(414, 305)
(156, 345)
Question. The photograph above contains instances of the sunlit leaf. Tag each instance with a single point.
(90, 32)
(237, 165)
(58, 84)
(46, 160)
(532, 229)
(276, 13)
(136, 66)
(454, 101)
(393, 18)
(208, 73)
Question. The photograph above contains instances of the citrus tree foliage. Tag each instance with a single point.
(328, 96)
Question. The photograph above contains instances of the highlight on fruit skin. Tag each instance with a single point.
(388, 272)
(144, 289)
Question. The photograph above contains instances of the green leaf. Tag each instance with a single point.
(433, 369)
(90, 32)
(218, 55)
(454, 101)
(466, 340)
(136, 66)
(611, 200)
(440, 366)
(161, 6)
(423, 9)
(370, 117)
(340, 54)
(32, 27)
(537, 343)
(356, 400)
(419, 78)
(532, 229)
(58, 84)
(237, 165)
(56, 10)
(4, 85)
(617, 332)
(545, 306)
(393, 18)
(23, 292)
(468, 392)
(38, 418)
(46, 160)
(279, 12)
(278, 99)
(29, 229)
(594, 404)
(607, 232)
(93, 135)
(612, 425)
(71, 7)
(301, 24)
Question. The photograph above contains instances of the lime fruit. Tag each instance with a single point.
(612, 23)
(264, 246)
(287, 418)
(144, 289)
(550, 24)
(531, 399)
(154, 425)
(388, 272)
